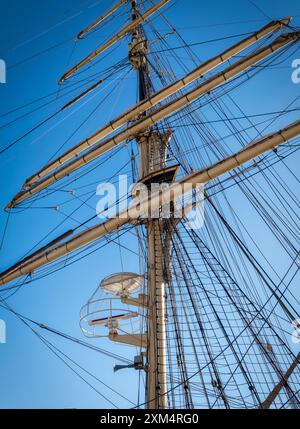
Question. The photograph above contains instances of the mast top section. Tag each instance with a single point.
(125, 30)
(158, 97)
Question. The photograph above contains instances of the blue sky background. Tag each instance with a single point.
(30, 375)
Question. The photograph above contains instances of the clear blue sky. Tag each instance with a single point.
(30, 375)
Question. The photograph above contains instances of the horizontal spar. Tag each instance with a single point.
(82, 95)
(282, 383)
(114, 39)
(154, 201)
(101, 19)
(156, 116)
(161, 95)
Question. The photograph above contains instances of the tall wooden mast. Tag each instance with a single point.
(151, 160)
(141, 123)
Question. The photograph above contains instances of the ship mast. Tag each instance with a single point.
(152, 159)
(141, 123)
